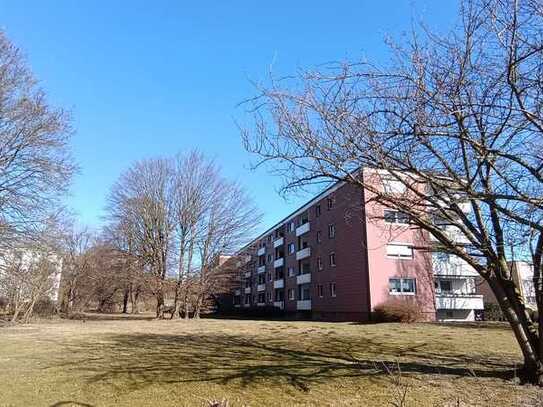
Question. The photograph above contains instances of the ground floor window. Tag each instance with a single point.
(304, 292)
(402, 286)
(279, 295)
(320, 291)
(332, 289)
(261, 298)
(291, 294)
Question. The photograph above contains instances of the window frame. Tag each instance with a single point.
(401, 281)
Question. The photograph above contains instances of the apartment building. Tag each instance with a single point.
(522, 273)
(341, 255)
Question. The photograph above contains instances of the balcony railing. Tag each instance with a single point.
(453, 267)
(279, 262)
(247, 290)
(261, 287)
(278, 304)
(279, 283)
(303, 254)
(300, 230)
(237, 291)
(261, 251)
(261, 269)
(247, 274)
(452, 301)
(303, 305)
(303, 278)
(278, 242)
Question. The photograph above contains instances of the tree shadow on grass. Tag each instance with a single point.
(133, 361)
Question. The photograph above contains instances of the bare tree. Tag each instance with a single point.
(454, 120)
(35, 161)
(142, 198)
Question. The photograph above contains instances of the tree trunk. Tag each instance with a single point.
(125, 300)
(523, 330)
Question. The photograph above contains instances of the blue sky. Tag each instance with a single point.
(153, 78)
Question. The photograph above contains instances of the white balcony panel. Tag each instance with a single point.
(247, 274)
(451, 266)
(261, 269)
(237, 305)
(279, 262)
(304, 253)
(247, 290)
(246, 305)
(303, 278)
(454, 234)
(279, 283)
(260, 304)
(278, 242)
(459, 301)
(278, 304)
(261, 251)
(300, 230)
(237, 291)
(303, 305)
(261, 287)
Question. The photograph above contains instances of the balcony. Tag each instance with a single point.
(237, 305)
(303, 254)
(303, 278)
(279, 262)
(261, 269)
(454, 234)
(247, 290)
(247, 274)
(300, 230)
(237, 291)
(278, 242)
(261, 287)
(303, 305)
(247, 305)
(278, 304)
(453, 267)
(261, 251)
(260, 304)
(459, 301)
(279, 283)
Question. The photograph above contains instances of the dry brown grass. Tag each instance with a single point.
(139, 362)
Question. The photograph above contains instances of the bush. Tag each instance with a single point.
(45, 307)
(398, 310)
(493, 312)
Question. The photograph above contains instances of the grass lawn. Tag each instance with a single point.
(140, 361)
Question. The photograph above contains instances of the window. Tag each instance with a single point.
(391, 185)
(445, 286)
(319, 236)
(290, 226)
(291, 294)
(320, 290)
(398, 250)
(261, 299)
(291, 271)
(247, 298)
(332, 258)
(304, 218)
(279, 295)
(237, 300)
(269, 276)
(331, 231)
(332, 290)
(401, 286)
(279, 273)
(269, 258)
(247, 283)
(392, 216)
(291, 248)
(330, 203)
(269, 238)
(270, 296)
(319, 264)
(304, 292)
(261, 279)
(317, 211)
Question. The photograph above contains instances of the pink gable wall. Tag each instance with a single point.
(382, 268)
